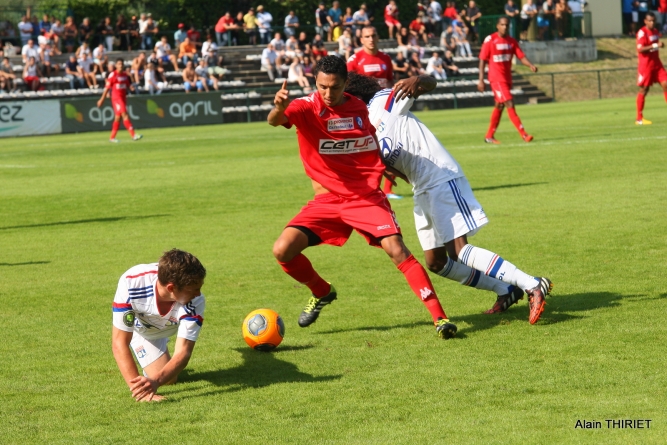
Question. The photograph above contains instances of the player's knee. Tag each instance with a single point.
(435, 265)
(281, 250)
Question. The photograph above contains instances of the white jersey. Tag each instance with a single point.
(135, 308)
(407, 145)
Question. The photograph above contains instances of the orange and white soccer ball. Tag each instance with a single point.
(263, 329)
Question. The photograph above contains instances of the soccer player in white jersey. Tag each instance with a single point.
(445, 209)
(152, 303)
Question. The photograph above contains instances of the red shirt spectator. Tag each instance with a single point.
(225, 21)
(194, 35)
(451, 12)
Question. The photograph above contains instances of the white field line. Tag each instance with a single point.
(561, 142)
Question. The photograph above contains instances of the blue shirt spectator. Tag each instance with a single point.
(335, 13)
(291, 24)
(180, 35)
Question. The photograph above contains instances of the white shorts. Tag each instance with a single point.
(147, 351)
(447, 211)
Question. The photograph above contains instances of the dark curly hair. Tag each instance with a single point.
(363, 87)
(331, 65)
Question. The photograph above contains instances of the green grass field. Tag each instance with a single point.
(584, 205)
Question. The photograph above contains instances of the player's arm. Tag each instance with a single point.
(104, 95)
(525, 62)
(281, 101)
(120, 345)
(647, 49)
(145, 388)
(480, 83)
(414, 86)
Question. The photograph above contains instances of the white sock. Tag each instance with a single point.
(473, 278)
(494, 266)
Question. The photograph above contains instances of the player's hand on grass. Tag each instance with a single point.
(481, 86)
(144, 389)
(281, 100)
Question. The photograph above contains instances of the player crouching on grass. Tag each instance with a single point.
(152, 303)
(445, 209)
(118, 82)
(650, 66)
(340, 154)
(498, 50)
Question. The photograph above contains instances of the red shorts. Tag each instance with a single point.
(391, 21)
(501, 92)
(648, 78)
(118, 107)
(332, 218)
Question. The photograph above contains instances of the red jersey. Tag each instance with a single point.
(118, 84)
(390, 12)
(337, 145)
(648, 61)
(498, 52)
(378, 66)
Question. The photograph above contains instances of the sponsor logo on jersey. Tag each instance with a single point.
(360, 123)
(503, 46)
(502, 57)
(128, 318)
(388, 152)
(347, 146)
(342, 124)
(372, 68)
(386, 226)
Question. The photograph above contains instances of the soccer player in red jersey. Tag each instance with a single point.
(372, 62)
(498, 50)
(340, 154)
(118, 82)
(650, 66)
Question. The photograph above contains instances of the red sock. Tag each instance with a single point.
(422, 287)
(516, 121)
(640, 105)
(114, 128)
(495, 121)
(128, 126)
(387, 186)
(302, 271)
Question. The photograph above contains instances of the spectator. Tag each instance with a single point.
(195, 37)
(269, 58)
(562, 14)
(56, 34)
(450, 67)
(323, 22)
(45, 25)
(292, 47)
(435, 67)
(106, 33)
(511, 11)
(435, 15)
(472, 15)
(81, 50)
(150, 30)
(528, 12)
(204, 81)
(100, 59)
(461, 37)
(303, 41)
(34, 21)
(416, 64)
(85, 31)
(642, 9)
(151, 82)
(360, 18)
(187, 51)
(70, 34)
(264, 19)
(401, 67)
(143, 20)
(123, 33)
(25, 30)
(208, 45)
(138, 68)
(250, 26)
(348, 20)
(157, 63)
(133, 28)
(179, 36)
(214, 63)
(447, 39)
(45, 53)
(308, 66)
(291, 24)
(449, 15)
(336, 15)
(278, 43)
(31, 75)
(403, 41)
(296, 74)
(29, 50)
(317, 47)
(391, 18)
(7, 76)
(223, 28)
(345, 44)
(189, 76)
(86, 64)
(662, 9)
(73, 72)
(548, 19)
(418, 29)
(239, 24)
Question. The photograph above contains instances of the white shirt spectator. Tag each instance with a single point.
(436, 11)
(85, 63)
(142, 25)
(151, 83)
(25, 29)
(269, 57)
(278, 44)
(202, 71)
(360, 16)
(98, 53)
(207, 47)
(264, 19)
(527, 9)
(162, 49)
(28, 52)
(434, 68)
(577, 7)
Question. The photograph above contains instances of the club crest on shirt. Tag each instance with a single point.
(360, 123)
(128, 318)
(341, 124)
(140, 351)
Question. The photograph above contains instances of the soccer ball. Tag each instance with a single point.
(263, 329)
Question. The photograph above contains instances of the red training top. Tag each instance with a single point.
(648, 61)
(498, 52)
(378, 66)
(337, 145)
(118, 84)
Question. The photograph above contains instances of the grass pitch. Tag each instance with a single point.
(584, 205)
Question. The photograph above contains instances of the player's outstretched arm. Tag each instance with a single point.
(480, 84)
(527, 63)
(281, 101)
(414, 86)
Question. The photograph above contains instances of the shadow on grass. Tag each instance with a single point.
(506, 186)
(259, 369)
(377, 328)
(559, 309)
(23, 264)
(84, 221)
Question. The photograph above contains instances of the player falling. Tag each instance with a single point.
(498, 50)
(650, 67)
(118, 82)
